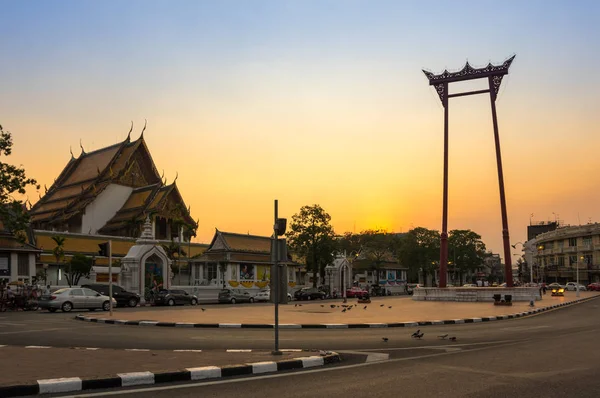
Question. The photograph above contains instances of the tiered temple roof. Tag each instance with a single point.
(87, 176)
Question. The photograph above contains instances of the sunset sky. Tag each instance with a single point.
(316, 102)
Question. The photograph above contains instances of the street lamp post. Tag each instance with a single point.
(577, 279)
(329, 270)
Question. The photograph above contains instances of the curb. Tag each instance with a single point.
(70, 384)
(328, 325)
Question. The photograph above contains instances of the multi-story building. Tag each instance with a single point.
(566, 250)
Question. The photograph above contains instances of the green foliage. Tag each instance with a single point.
(419, 249)
(59, 250)
(311, 236)
(80, 265)
(13, 181)
(466, 251)
(377, 248)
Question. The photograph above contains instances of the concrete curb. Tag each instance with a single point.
(71, 384)
(330, 325)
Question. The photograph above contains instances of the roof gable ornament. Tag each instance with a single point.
(81, 146)
(71, 150)
(130, 130)
(144, 129)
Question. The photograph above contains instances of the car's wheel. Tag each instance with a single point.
(232, 301)
(171, 302)
(251, 299)
(67, 306)
(194, 301)
(52, 309)
(309, 297)
(132, 302)
(106, 306)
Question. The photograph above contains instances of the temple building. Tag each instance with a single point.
(111, 193)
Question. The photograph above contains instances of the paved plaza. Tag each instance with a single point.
(381, 310)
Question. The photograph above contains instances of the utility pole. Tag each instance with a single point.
(110, 290)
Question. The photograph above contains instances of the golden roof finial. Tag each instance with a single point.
(144, 129)
(71, 150)
(81, 146)
(176, 175)
(130, 130)
(45, 188)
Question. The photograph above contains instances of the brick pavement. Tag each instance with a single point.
(320, 312)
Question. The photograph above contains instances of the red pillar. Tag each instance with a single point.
(444, 236)
(505, 235)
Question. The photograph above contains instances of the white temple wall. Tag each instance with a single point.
(104, 207)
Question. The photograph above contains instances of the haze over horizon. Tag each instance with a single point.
(316, 102)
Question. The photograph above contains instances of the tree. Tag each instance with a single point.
(466, 251)
(13, 180)
(419, 249)
(377, 247)
(59, 250)
(174, 251)
(80, 265)
(311, 236)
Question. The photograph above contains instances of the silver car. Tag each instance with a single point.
(75, 297)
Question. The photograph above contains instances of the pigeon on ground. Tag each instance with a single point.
(344, 310)
(332, 305)
(203, 309)
(365, 307)
(443, 337)
(299, 305)
(322, 305)
(382, 305)
(385, 339)
(390, 307)
(452, 338)
(415, 334)
(295, 305)
(420, 335)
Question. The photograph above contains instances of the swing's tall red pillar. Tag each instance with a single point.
(494, 74)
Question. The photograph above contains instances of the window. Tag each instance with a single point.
(572, 260)
(210, 272)
(588, 259)
(89, 292)
(77, 292)
(572, 242)
(561, 261)
(587, 240)
(561, 244)
(23, 264)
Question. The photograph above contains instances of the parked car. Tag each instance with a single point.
(173, 297)
(265, 295)
(469, 285)
(123, 297)
(309, 293)
(233, 296)
(594, 286)
(356, 292)
(574, 286)
(74, 298)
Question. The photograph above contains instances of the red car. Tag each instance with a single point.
(356, 292)
(594, 286)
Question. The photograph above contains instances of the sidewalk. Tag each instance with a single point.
(39, 363)
(386, 311)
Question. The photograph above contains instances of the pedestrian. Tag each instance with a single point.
(47, 290)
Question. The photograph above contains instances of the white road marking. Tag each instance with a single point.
(187, 350)
(12, 324)
(137, 349)
(515, 328)
(277, 375)
(37, 346)
(239, 350)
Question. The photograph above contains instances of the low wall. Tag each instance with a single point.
(474, 294)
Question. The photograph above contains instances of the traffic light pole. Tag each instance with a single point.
(110, 276)
(276, 278)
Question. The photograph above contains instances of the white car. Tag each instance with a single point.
(573, 286)
(265, 295)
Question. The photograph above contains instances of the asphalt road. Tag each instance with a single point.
(551, 354)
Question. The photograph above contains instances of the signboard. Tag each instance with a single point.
(4, 266)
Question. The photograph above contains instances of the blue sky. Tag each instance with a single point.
(230, 83)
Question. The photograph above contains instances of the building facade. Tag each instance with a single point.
(569, 251)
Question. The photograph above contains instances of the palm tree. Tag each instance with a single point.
(59, 251)
(173, 251)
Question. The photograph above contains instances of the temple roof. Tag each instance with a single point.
(85, 177)
(228, 241)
